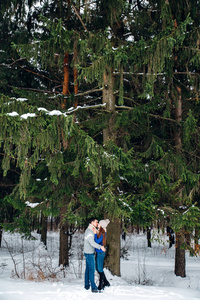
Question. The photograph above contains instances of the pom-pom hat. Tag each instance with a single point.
(104, 223)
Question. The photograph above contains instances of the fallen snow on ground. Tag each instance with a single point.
(146, 273)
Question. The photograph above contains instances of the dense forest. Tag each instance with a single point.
(100, 115)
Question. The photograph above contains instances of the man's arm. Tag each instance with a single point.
(90, 238)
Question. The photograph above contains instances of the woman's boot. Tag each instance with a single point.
(105, 281)
(101, 283)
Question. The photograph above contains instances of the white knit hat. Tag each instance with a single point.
(104, 223)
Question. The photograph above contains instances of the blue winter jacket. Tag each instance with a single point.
(98, 241)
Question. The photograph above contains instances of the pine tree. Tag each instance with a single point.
(139, 154)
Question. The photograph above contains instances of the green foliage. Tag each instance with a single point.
(152, 51)
(154, 150)
(143, 208)
(112, 203)
(188, 219)
(189, 129)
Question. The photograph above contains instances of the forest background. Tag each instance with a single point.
(100, 116)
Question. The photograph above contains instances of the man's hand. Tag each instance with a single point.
(103, 248)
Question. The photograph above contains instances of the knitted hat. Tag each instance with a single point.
(104, 223)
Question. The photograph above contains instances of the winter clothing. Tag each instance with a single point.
(101, 285)
(99, 261)
(104, 223)
(100, 255)
(89, 243)
(89, 272)
(105, 281)
(89, 246)
(99, 241)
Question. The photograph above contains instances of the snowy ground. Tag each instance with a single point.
(146, 273)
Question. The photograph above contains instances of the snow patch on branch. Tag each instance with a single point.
(26, 116)
(32, 205)
(54, 112)
(13, 114)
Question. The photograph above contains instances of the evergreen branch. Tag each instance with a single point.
(127, 98)
(159, 117)
(78, 15)
(155, 116)
(53, 92)
(183, 73)
(84, 107)
(40, 75)
(36, 90)
(155, 74)
(88, 92)
(7, 185)
(139, 73)
(15, 61)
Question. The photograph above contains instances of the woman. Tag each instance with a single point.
(100, 238)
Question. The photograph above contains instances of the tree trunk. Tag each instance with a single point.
(44, 230)
(75, 73)
(149, 237)
(109, 99)
(114, 229)
(196, 240)
(66, 78)
(179, 256)
(178, 116)
(51, 224)
(112, 261)
(179, 253)
(1, 233)
(64, 250)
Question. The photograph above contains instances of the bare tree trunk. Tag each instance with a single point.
(180, 252)
(44, 230)
(75, 57)
(196, 240)
(109, 99)
(1, 233)
(66, 78)
(180, 256)
(112, 261)
(149, 236)
(178, 116)
(64, 249)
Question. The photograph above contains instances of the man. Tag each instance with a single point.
(89, 248)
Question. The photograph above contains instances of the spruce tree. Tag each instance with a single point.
(131, 131)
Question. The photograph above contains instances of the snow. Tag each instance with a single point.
(55, 113)
(32, 204)
(22, 99)
(13, 114)
(42, 109)
(25, 116)
(146, 273)
(130, 38)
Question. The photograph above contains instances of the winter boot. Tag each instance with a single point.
(101, 283)
(105, 281)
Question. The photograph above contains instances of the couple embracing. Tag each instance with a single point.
(94, 242)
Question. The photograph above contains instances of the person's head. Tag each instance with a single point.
(104, 223)
(94, 222)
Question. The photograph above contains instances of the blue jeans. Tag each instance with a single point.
(89, 271)
(99, 261)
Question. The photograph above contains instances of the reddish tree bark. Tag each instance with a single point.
(66, 78)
